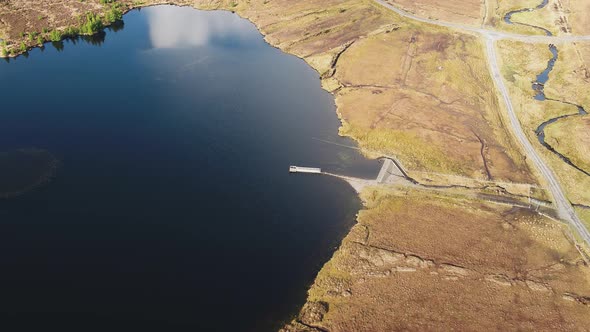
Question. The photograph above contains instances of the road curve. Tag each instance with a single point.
(489, 33)
(563, 206)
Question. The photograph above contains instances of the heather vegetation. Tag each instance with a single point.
(92, 25)
(88, 24)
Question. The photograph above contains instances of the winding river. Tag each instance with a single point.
(508, 17)
(539, 87)
(172, 208)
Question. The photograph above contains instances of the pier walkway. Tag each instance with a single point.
(390, 173)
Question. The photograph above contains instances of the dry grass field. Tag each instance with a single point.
(571, 137)
(470, 12)
(421, 263)
(584, 214)
(559, 16)
(426, 97)
(569, 81)
(578, 18)
(555, 16)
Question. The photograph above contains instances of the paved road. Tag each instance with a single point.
(564, 207)
(490, 33)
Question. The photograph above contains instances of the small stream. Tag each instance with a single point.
(539, 87)
(543, 77)
(540, 131)
(508, 17)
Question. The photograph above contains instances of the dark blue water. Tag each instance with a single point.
(539, 83)
(172, 208)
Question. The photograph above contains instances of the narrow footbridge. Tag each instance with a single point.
(390, 173)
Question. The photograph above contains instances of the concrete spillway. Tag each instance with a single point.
(311, 170)
(385, 169)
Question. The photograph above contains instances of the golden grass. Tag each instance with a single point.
(570, 137)
(584, 214)
(423, 262)
(424, 95)
(567, 82)
(500, 8)
(559, 17)
(547, 17)
(578, 17)
(460, 11)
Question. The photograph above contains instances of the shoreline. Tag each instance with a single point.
(353, 183)
(364, 152)
(314, 306)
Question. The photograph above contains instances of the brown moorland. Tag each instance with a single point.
(459, 11)
(426, 97)
(419, 263)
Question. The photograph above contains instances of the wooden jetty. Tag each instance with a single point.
(311, 170)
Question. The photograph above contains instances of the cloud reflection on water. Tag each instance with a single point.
(176, 27)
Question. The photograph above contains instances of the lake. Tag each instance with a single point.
(169, 206)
